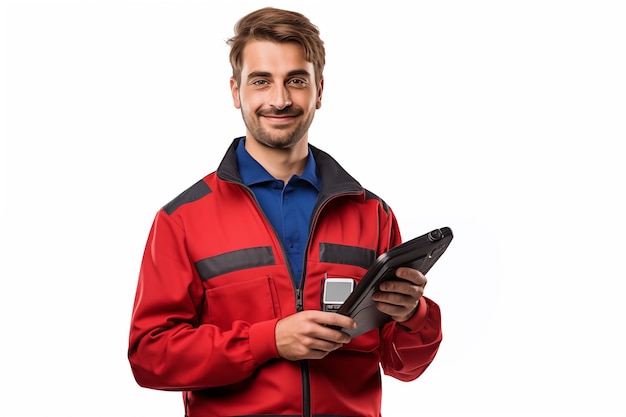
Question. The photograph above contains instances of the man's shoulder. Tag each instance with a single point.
(195, 192)
(371, 196)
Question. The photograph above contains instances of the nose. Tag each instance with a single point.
(280, 97)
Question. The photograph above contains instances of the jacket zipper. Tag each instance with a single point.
(299, 302)
(306, 389)
(304, 364)
(304, 367)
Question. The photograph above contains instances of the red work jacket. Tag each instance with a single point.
(214, 281)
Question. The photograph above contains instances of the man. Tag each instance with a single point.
(228, 307)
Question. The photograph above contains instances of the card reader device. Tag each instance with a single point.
(335, 292)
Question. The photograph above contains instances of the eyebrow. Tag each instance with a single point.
(265, 74)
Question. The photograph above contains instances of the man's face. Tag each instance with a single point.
(277, 96)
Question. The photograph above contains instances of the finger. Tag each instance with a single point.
(412, 275)
(401, 287)
(333, 319)
(312, 348)
(392, 310)
(324, 345)
(395, 299)
(397, 313)
(332, 335)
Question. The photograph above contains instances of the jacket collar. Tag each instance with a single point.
(335, 179)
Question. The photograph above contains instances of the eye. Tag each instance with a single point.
(259, 82)
(298, 82)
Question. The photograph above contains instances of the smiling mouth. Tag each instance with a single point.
(287, 113)
(279, 117)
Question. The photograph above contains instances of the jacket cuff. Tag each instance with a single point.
(263, 341)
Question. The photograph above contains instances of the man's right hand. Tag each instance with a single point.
(307, 335)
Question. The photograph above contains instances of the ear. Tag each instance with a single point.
(320, 89)
(234, 90)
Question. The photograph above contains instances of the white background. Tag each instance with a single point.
(504, 120)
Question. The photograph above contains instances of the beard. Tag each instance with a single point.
(280, 137)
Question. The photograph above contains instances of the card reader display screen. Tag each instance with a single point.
(336, 292)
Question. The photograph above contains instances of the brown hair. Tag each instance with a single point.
(280, 26)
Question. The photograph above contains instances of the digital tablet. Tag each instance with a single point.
(420, 253)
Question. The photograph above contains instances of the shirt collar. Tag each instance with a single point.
(253, 173)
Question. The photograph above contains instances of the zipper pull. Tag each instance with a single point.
(299, 303)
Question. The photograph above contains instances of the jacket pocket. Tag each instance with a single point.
(249, 301)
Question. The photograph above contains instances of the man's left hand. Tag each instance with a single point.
(399, 297)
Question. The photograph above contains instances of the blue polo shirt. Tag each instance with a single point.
(288, 207)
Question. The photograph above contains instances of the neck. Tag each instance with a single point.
(281, 163)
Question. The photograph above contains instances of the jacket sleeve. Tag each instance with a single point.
(168, 348)
(408, 348)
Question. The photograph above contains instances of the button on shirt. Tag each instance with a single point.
(288, 207)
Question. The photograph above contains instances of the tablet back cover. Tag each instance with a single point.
(420, 253)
